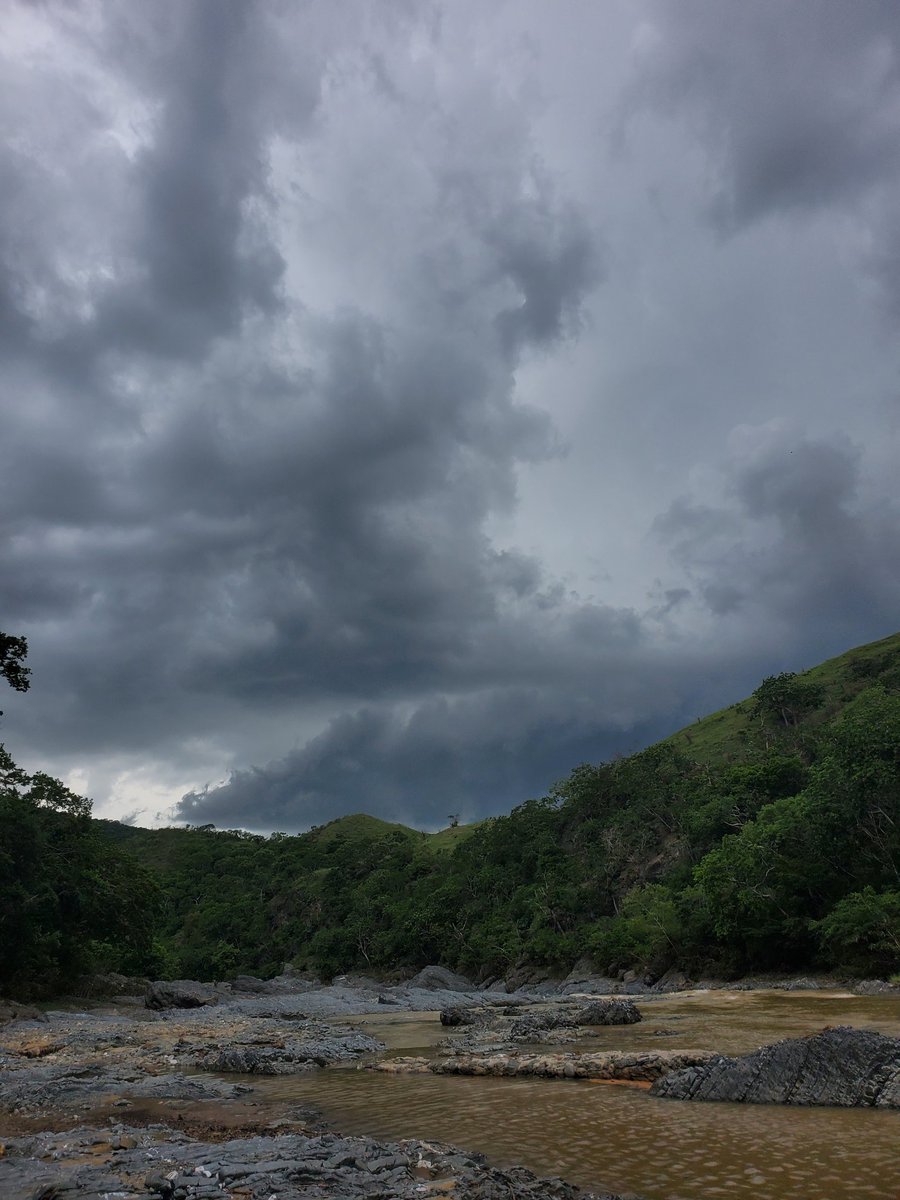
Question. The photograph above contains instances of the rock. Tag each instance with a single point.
(635, 1065)
(257, 987)
(435, 979)
(608, 1012)
(160, 1165)
(672, 981)
(843, 1066)
(12, 1010)
(111, 985)
(583, 969)
(179, 993)
(637, 984)
(318, 1046)
(526, 975)
(876, 987)
(461, 1016)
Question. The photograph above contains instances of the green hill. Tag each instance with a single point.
(767, 834)
(763, 836)
(730, 733)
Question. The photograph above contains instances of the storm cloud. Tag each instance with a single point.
(399, 408)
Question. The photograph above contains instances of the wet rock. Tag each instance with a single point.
(640, 1066)
(843, 1066)
(440, 979)
(179, 993)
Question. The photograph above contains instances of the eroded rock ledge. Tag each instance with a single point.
(846, 1067)
(642, 1066)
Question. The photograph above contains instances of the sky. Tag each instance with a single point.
(404, 402)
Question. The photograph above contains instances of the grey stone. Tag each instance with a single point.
(843, 1066)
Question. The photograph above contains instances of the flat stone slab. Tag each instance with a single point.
(642, 1066)
(135, 1164)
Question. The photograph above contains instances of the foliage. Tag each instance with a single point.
(863, 931)
(13, 652)
(787, 698)
(70, 901)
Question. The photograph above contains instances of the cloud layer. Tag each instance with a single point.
(398, 410)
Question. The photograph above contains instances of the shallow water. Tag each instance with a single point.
(619, 1137)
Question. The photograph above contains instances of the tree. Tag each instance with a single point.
(70, 901)
(787, 698)
(863, 931)
(13, 651)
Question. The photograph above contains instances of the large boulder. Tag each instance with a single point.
(179, 993)
(843, 1066)
(613, 1011)
(440, 979)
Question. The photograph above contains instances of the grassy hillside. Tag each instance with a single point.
(764, 835)
(731, 733)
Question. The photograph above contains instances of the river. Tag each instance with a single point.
(620, 1138)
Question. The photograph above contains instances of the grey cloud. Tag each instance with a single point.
(301, 299)
(295, 514)
(797, 103)
(803, 545)
(480, 755)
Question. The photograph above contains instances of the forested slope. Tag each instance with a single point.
(765, 836)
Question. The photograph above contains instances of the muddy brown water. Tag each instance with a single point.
(619, 1137)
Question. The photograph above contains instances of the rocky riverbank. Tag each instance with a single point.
(154, 1097)
(124, 1099)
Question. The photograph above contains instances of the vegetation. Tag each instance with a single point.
(70, 901)
(764, 837)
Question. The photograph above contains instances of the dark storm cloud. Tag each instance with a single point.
(295, 513)
(274, 282)
(462, 758)
(792, 539)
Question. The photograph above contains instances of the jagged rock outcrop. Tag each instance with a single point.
(843, 1066)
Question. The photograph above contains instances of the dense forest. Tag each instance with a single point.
(766, 836)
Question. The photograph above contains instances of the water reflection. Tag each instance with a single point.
(620, 1137)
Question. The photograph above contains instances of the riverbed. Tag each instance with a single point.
(619, 1137)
